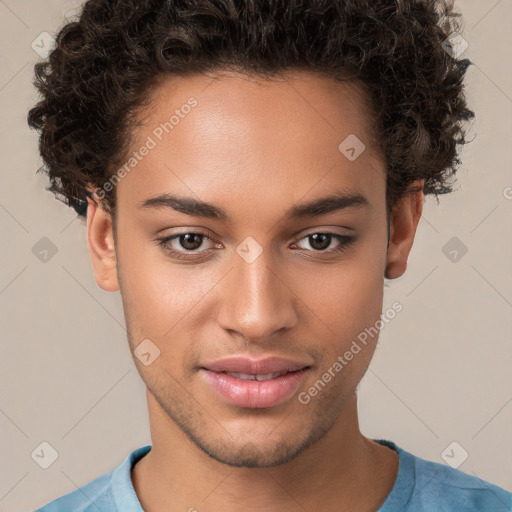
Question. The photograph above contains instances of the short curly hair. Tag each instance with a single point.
(106, 61)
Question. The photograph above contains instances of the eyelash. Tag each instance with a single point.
(345, 241)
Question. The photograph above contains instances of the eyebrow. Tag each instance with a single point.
(315, 208)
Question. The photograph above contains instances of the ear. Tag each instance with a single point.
(100, 239)
(404, 219)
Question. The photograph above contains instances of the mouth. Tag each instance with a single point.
(246, 368)
(255, 391)
(259, 377)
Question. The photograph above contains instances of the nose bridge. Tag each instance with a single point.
(257, 302)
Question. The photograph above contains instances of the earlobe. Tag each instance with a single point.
(404, 221)
(101, 247)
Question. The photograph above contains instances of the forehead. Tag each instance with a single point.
(293, 137)
(289, 102)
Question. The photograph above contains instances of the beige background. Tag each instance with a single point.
(441, 372)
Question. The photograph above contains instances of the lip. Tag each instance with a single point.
(253, 393)
(243, 364)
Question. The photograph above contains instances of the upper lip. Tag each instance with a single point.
(242, 364)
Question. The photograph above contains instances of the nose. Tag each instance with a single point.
(258, 302)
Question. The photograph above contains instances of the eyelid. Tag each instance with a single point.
(327, 229)
(309, 231)
(188, 231)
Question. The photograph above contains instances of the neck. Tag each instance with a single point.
(342, 471)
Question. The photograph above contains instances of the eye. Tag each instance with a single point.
(321, 241)
(187, 245)
(184, 245)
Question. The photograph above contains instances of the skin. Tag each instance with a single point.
(255, 149)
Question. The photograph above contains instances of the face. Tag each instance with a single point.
(256, 272)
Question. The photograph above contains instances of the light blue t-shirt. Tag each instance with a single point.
(420, 486)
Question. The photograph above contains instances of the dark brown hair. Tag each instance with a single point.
(105, 61)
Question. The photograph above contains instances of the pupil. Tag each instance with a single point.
(185, 241)
(323, 245)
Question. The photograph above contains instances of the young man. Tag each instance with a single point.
(250, 173)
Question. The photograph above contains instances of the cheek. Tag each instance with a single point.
(347, 303)
(161, 302)
(347, 297)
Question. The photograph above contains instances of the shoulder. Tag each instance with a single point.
(109, 492)
(441, 487)
(425, 486)
(93, 496)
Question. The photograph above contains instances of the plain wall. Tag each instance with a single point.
(441, 372)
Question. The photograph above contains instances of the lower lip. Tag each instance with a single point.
(253, 393)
